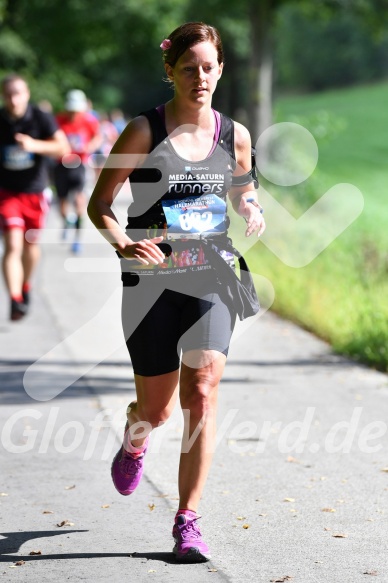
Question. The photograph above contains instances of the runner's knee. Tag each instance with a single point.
(199, 395)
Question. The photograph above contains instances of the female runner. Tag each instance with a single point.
(183, 159)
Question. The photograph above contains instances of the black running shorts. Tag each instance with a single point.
(68, 180)
(164, 315)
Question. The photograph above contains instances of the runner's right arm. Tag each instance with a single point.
(129, 152)
(55, 147)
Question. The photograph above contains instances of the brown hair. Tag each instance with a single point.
(189, 34)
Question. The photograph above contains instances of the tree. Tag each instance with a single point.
(111, 50)
(261, 18)
(308, 61)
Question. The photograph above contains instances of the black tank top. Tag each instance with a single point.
(182, 200)
(166, 176)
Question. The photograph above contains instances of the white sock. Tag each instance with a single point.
(135, 451)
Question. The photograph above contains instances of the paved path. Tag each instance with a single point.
(297, 488)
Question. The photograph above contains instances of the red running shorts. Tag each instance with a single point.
(22, 210)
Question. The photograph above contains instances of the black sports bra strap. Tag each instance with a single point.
(227, 135)
(158, 128)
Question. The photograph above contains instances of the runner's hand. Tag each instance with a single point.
(25, 142)
(144, 251)
(253, 217)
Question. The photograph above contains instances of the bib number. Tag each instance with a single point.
(196, 221)
(192, 217)
(17, 159)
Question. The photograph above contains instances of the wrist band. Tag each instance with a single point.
(255, 203)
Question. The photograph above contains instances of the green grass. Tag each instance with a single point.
(342, 294)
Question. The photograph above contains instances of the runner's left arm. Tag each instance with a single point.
(95, 141)
(244, 197)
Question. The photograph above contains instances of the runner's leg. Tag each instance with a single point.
(80, 207)
(155, 400)
(30, 259)
(156, 397)
(64, 208)
(198, 396)
(12, 261)
(80, 201)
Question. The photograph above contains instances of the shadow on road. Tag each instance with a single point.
(12, 374)
(12, 542)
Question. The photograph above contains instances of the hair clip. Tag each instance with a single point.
(166, 44)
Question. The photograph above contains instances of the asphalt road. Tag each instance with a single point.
(298, 489)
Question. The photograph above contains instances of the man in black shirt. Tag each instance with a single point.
(26, 135)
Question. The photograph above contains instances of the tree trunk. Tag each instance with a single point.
(261, 67)
(9, 13)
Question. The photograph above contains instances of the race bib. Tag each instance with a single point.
(193, 217)
(17, 159)
(77, 142)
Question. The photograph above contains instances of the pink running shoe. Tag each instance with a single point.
(126, 469)
(189, 546)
